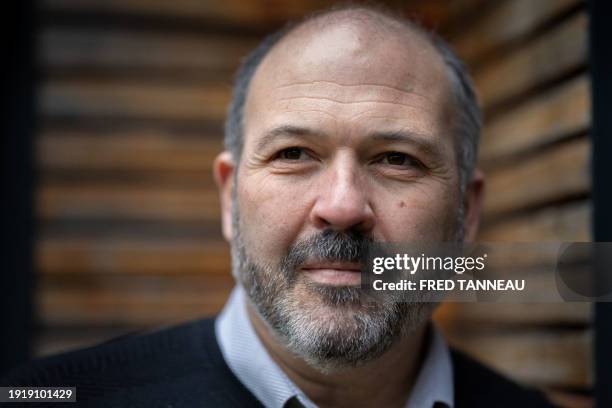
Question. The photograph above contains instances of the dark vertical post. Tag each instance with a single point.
(16, 272)
(601, 90)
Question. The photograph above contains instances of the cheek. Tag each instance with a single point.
(418, 212)
(272, 214)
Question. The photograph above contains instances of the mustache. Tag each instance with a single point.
(328, 245)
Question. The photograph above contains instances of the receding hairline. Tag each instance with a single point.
(376, 25)
(371, 19)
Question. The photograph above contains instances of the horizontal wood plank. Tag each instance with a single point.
(506, 21)
(569, 222)
(542, 358)
(257, 13)
(148, 257)
(563, 111)
(83, 308)
(562, 50)
(85, 48)
(124, 202)
(130, 301)
(558, 173)
(128, 150)
(472, 316)
(134, 100)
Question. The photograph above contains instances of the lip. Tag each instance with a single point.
(334, 273)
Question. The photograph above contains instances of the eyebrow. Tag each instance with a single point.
(287, 132)
(421, 142)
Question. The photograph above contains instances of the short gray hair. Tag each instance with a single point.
(468, 120)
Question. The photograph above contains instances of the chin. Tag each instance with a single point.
(332, 329)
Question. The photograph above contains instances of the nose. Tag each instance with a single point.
(343, 203)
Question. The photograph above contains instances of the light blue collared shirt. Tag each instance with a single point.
(250, 362)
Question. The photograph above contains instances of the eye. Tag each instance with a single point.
(399, 159)
(293, 154)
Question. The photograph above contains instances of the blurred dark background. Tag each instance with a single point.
(129, 100)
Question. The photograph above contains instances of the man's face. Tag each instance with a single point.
(348, 139)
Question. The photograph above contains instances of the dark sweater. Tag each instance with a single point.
(183, 367)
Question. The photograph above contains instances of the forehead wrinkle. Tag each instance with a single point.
(395, 103)
(369, 111)
(312, 110)
(321, 91)
(338, 84)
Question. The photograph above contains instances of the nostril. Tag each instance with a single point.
(342, 217)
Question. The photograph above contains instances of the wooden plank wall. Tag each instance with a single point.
(131, 107)
(529, 62)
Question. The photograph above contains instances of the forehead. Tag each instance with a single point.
(350, 67)
(354, 50)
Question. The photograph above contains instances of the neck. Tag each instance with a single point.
(386, 381)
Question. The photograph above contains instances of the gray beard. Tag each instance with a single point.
(331, 328)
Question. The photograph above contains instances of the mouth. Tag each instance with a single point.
(334, 273)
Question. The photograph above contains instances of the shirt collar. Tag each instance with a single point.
(250, 362)
(434, 382)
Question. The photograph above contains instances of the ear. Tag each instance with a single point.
(473, 200)
(223, 170)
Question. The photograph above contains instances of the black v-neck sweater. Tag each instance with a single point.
(183, 367)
